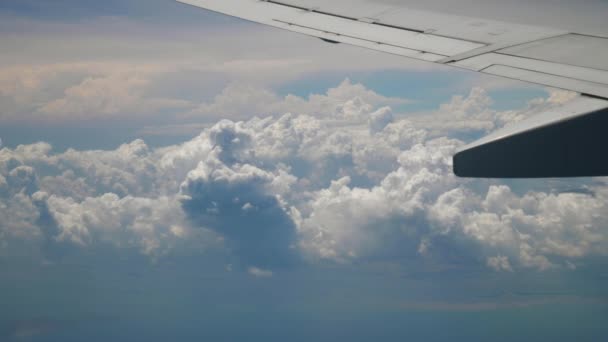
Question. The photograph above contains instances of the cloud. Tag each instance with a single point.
(83, 90)
(346, 101)
(82, 198)
(149, 225)
(422, 203)
(19, 215)
(241, 201)
(259, 273)
(117, 67)
(380, 119)
(500, 263)
(349, 223)
(109, 95)
(357, 184)
(111, 90)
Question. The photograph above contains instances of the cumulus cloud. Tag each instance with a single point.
(346, 101)
(106, 90)
(473, 115)
(83, 198)
(356, 184)
(349, 222)
(380, 119)
(421, 203)
(149, 225)
(241, 202)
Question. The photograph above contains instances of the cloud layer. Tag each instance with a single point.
(347, 183)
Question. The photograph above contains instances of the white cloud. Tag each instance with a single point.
(259, 273)
(241, 202)
(19, 217)
(500, 263)
(463, 114)
(107, 90)
(83, 90)
(473, 114)
(115, 67)
(380, 119)
(353, 185)
(73, 205)
(422, 201)
(347, 101)
(109, 95)
(350, 223)
(143, 223)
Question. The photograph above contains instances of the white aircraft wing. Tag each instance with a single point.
(565, 143)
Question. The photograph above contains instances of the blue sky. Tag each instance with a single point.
(172, 174)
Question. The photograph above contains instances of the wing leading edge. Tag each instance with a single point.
(562, 143)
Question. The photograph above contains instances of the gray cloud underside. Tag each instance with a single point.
(354, 184)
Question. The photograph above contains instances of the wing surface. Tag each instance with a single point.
(546, 56)
(539, 55)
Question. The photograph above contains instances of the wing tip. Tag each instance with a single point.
(575, 147)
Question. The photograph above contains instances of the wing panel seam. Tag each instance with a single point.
(354, 37)
(542, 60)
(494, 48)
(542, 72)
(313, 10)
(377, 23)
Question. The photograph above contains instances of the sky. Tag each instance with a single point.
(169, 174)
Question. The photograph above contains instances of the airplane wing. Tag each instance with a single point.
(564, 143)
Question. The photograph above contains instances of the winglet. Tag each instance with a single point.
(571, 141)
